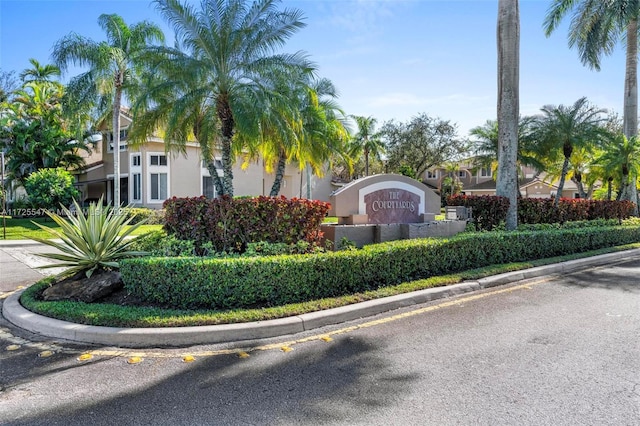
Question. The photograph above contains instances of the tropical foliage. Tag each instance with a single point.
(621, 158)
(310, 132)
(113, 71)
(596, 26)
(92, 241)
(221, 79)
(366, 141)
(561, 130)
(34, 129)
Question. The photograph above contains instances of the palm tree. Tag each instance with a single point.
(39, 73)
(508, 35)
(562, 129)
(366, 140)
(222, 76)
(112, 71)
(621, 156)
(321, 135)
(486, 145)
(596, 26)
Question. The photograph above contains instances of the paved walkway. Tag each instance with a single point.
(19, 264)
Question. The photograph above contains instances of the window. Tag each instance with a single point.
(123, 139)
(462, 174)
(158, 160)
(159, 186)
(485, 172)
(135, 160)
(157, 178)
(208, 188)
(432, 174)
(137, 187)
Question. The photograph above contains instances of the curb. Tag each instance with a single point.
(13, 311)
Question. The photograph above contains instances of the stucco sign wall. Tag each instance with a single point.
(385, 199)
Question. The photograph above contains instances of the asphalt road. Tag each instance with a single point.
(548, 352)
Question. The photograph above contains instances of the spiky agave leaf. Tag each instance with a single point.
(97, 240)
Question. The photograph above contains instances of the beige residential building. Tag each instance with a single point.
(481, 181)
(149, 175)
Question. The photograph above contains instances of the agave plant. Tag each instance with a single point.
(97, 240)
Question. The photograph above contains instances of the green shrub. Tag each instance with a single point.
(268, 281)
(149, 216)
(229, 224)
(488, 211)
(50, 188)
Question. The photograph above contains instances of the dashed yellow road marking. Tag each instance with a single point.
(134, 360)
(85, 357)
(285, 346)
(4, 295)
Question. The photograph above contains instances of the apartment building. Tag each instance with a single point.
(481, 181)
(149, 175)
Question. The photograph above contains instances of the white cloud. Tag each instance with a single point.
(363, 17)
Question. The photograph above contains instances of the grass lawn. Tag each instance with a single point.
(24, 229)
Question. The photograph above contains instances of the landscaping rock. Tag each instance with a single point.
(83, 289)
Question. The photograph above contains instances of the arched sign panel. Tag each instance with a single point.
(386, 199)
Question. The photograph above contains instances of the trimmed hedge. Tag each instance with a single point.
(229, 224)
(269, 281)
(489, 211)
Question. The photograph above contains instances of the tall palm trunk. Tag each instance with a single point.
(217, 181)
(226, 119)
(563, 175)
(277, 183)
(117, 101)
(577, 178)
(508, 35)
(630, 116)
(366, 161)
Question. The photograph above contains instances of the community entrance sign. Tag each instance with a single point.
(384, 199)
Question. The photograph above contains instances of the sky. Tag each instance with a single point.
(389, 59)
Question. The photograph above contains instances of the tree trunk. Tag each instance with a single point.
(630, 116)
(277, 183)
(563, 175)
(117, 100)
(217, 182)
(577, 178)
(609, 188)
(508, 35)
(366, 161)
(227, 123)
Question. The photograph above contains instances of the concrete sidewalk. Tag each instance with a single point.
(16, 269)
(19, 264)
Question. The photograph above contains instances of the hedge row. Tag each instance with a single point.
(230, 223)
(269, 281)
(488, 211)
